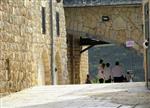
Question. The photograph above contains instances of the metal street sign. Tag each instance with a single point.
(130, 43)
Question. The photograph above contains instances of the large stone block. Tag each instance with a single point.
(3, 75)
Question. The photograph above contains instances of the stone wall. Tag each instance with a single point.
(125, 23)
(73, 53)
(84, 66)
(61, 45)
(77, 62)
(24, 50)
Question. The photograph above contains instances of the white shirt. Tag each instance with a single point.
(117, 71)
(107, 73)
(100, 67)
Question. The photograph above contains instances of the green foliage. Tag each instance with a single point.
(95, 80)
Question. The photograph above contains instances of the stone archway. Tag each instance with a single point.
(58, 68)
(124, 24)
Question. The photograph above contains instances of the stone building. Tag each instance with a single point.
(26, 44)
(110, 21)
(146, 22)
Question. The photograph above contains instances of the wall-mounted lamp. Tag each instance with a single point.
(105, 18)
(146, 43)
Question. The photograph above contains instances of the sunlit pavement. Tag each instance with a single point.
(123, 95)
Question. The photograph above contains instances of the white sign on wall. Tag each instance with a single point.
(130, 43)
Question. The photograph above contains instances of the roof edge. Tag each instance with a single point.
(84, 4)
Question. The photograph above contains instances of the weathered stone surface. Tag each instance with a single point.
(125, 22)
(84, 67)
(124, 95)
(24, 51)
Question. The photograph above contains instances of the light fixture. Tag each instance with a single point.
(105, 18)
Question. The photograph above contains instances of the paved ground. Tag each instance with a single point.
(123, 95)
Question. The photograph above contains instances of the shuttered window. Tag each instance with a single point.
(57, 24)
(43, 21)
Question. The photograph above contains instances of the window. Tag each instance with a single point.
(43, 21)
(57, 24)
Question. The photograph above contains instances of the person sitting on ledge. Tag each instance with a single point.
(88, 81)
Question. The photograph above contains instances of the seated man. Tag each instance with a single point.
(88, 81)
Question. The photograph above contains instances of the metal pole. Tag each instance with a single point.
(53, 75)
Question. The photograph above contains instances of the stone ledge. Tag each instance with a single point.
(82, 3)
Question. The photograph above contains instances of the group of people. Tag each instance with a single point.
(107, 74)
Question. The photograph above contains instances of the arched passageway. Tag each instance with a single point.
(130, 60)
(124, 23)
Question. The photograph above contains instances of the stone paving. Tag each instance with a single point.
(123, 95)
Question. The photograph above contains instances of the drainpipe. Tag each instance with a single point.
(53, 75)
